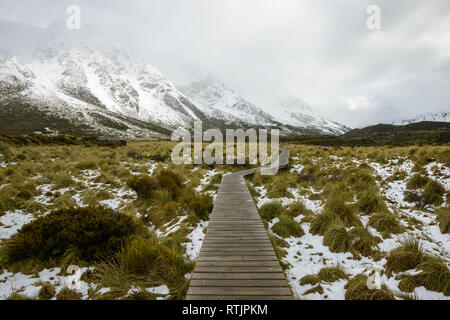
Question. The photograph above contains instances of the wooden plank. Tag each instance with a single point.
(235, 283)
(238, 276)
(257, 291)
(240, 269)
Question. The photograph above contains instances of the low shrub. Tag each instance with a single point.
(91, 231)
(143, 185)
(414, 197)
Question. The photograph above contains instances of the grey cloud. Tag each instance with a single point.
(318, 50)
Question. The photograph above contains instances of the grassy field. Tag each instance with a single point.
(134, 222)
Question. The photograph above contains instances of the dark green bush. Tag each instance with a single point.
(168, 180)
(91, 232)
(143, 185)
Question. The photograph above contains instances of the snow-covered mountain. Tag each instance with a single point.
(73, 84)
(217, 100)
(437, 117)
(76, 84)
(295, 112)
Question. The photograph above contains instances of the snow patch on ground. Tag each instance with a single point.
(29, 286)
(13, 221)
(196, 236)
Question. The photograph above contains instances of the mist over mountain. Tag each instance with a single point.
(80, 83)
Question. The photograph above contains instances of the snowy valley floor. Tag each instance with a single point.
(333, 215)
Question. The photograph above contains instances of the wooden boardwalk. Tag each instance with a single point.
(237, 260)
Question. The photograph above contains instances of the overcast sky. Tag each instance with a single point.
(318, 50)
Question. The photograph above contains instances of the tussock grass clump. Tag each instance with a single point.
(200, 204)
(407, 256)
(90, 232)
(171, 181)
(370, 202)
(146, 261)
(433, 192)
(332, 274)
(357, 290)
(317, 289)
(385, 223)
(338, 239)
(140, 294)
(355, 240)
(86, 164)
(298, 208)
(5, 152)
(417, 181)
(287, 227)
(435, 275)
(18, 296)
(278, 242)
(407, 283)
(46, 292)
(311, 279)
(359, 179)
(144, 256)
(68, 294)
(443, 217)
(321, 222)
(342, 211)
(363, 241)
(271, 210)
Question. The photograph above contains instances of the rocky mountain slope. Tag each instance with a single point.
(436, 117)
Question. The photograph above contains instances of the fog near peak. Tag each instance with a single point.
(319, 51)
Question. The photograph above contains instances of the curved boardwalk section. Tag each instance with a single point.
(237, 260)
